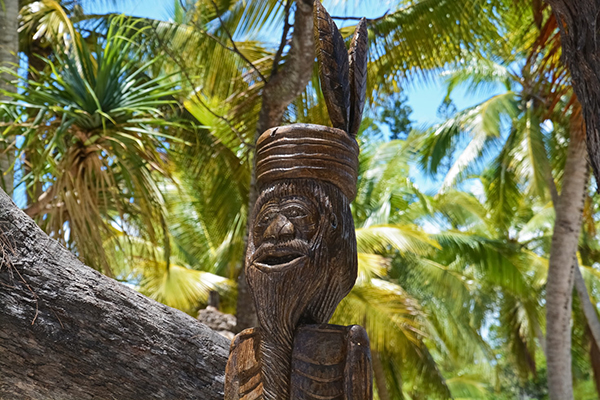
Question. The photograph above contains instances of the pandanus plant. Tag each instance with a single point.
(95, 132)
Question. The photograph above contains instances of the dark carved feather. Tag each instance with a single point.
(333, 67)
(359, 54)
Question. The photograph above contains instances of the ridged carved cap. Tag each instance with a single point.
(303, 151)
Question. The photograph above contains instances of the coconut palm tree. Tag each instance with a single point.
(536, 92)
(8, 59)
(222, 79)
(271, 83)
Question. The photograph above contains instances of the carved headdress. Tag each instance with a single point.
(308, 151)
(318, 152)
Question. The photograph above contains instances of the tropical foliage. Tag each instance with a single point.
(134, 142)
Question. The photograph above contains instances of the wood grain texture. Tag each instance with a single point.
(333, 67)
(301, 262)
(328, 362)
(359, 373)
(358, 60)
(301, 258)
(281, 89)
(243, 372)
(318, 363)
(68, 332)
(308, 151)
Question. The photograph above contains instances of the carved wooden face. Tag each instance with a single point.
(302, 249)
(283, 231)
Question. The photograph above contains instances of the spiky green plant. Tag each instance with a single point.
(95, 127)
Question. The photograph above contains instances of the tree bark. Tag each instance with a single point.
(281, 89)
(68, 332)
(578, 24)
(379, 375)
(9, 47)
(589, 310)
(559, 288)
(595, 360)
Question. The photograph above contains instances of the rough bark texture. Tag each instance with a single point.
(9, 46)
(282, 88)
(291, 80)
(578, 23)
(559, 288)
(589, 310)
(68, 332)
(379, 375)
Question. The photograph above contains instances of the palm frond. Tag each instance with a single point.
(383, 239)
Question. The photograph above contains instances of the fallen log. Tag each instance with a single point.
(69, 332)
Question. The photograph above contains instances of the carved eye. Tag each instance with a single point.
(266, 219)
(295, 211)
(333, 221)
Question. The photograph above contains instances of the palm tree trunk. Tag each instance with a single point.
(577, 21)
(281, 89)
(559, 288)
(9, 47)
(589, 310)
(593, 325)
(595, 359)
(379, 375)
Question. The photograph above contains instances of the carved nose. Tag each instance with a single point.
(280, 228)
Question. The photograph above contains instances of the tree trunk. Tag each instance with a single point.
(589, 310)
(9, 47)
(379, 375)
(68, 332)
(578, 24)
(282, 88)
(559, 288)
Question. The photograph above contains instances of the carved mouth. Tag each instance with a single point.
(278, 260)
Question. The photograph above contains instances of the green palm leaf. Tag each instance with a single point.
(383, 239)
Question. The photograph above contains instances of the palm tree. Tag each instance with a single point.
(222, 80)
(302, 110)
(523, 164)
(406, 336)
(277, 78)
(8, 59)
(455, 280)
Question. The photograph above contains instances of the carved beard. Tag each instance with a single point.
(279, 312)
(308, 289)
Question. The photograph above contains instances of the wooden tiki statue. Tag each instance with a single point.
(301, 259)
